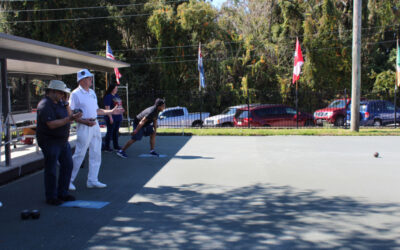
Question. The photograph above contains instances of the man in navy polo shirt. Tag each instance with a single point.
(145, 124)
(53, 123)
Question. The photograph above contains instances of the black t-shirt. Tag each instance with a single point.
(150, 113)
(47, 111)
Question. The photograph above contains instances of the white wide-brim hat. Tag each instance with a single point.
(83, 74)
(58, 85)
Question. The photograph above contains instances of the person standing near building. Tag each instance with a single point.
(145, 124)
(52, 132)
(111, 100)
(88, 129)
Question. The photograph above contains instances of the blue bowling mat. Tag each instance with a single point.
(150, 155)
(85, 204)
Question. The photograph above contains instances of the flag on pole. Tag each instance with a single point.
(110, 55)
(398, 65)
(200, 67)
(298, 62)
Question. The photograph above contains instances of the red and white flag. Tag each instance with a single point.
(298, 62)
(110, 55)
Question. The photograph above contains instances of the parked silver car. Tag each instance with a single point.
(225, 119)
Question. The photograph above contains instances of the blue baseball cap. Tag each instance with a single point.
(83, 74)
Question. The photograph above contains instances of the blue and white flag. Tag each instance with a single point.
(202, 83)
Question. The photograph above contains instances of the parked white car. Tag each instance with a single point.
(180, 117)
(225, 119)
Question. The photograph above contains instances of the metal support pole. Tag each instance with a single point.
(94, 83)
(346, 107)
(395, 89)
(5, 109)
(29, 98)
(127, 105)
(297, 107)
(106, 81)
(201, 108)
(248, 109)
(2, 119)
(356, 67)
(395, 105)
(127, 109)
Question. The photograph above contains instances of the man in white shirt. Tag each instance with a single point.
(88, 130)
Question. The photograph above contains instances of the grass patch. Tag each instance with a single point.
(279, 131)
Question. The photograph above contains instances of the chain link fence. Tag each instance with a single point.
(258, 109)
(326, 107)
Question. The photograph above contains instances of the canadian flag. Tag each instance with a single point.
(298, 62)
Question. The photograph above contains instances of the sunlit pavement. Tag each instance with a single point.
(279, 192)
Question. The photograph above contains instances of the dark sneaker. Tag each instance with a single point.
(67, 198)
(54, 202)
(122, 154)
(152, 152)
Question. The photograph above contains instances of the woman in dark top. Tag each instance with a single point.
(111, 99)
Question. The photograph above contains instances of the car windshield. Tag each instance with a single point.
(290, 111)
(240, 114)
(229, 111)
(337, 104)
(389, 107)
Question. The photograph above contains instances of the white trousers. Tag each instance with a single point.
(87, 137)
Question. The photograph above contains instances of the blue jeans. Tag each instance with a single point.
(112, 132)
(56, 152)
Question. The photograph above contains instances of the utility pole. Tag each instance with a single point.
(356, 67)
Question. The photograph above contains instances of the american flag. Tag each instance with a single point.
(201, 69)
(110, 55)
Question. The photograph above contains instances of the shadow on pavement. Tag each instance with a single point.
(71, 228)
(255, 217)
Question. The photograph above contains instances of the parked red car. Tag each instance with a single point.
(334, 114)
(271, 115)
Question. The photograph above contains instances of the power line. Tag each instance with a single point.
(157, 48)
(346, 30)
(196, 45)
(78, 19)
(83, 8)
(184, 61)
(231, 57)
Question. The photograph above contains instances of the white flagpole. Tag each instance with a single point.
(395, 85)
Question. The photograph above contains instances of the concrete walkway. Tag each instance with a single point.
(283, 192)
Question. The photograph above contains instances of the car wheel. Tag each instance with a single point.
(377, 123)
(227, 124)
(339, 122)
(197, 124)
(309, 123)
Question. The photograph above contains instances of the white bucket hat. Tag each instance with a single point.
(58, 85)
(83, 74)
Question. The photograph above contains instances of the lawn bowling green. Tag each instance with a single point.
(282, 192)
